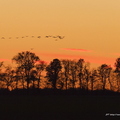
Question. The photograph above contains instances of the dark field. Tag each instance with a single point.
(58, 107)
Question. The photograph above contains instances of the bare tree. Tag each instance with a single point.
(66, 71)
(80, 65)
(33, 77)
(117, 71)
(93, 77)
(7, 77)
(73, 73)
(53, 70)
(87, 77)
(104, 74)
(26, 61)
(40, 68)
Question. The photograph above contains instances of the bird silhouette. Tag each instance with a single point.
(47, 36)
(39, 36)
(60, 37)
(54, 37)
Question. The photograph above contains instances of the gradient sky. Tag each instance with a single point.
(91, 29)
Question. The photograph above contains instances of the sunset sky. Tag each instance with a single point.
(91, 29)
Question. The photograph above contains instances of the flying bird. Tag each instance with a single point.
(54, 37)
(46, 36)
(39, 36)
(61, 37)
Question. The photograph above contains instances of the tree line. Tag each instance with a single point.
(63, 74)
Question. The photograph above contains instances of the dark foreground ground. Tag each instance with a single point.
(60, 107)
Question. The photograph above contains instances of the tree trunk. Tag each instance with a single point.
(39, 80)
(118, 83)
(33, 84)
(92, 83)
(66, 79)
(66, 83)
(110, 83)
(80, 80)
(55, 81)
(7, 87)
(54, 85)
(87, 82)
(23, 84)
(27, 85)
(16, 84)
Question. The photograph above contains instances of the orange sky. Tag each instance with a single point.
(91, 25)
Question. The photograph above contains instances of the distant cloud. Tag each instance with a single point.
(41, 62)
(74, 49)
(1, 59)
(92, 59)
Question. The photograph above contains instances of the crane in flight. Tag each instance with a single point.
(39, 36)
(60, 37)
(2, 38)
(48, 36)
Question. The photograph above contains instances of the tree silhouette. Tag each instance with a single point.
(59, 74)
(53, 72)
(87, 77)
(93, 78)
(17, 77)
(20, 76)
(7, 77)
(117, 71)
(26, 61)
(39, 68)
(33, 77)
(2, 85)
(109, 70)
(104, 72)
(80, 65)
(66, 67)
(73, 73)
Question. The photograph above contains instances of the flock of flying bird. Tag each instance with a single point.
(49, 36)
